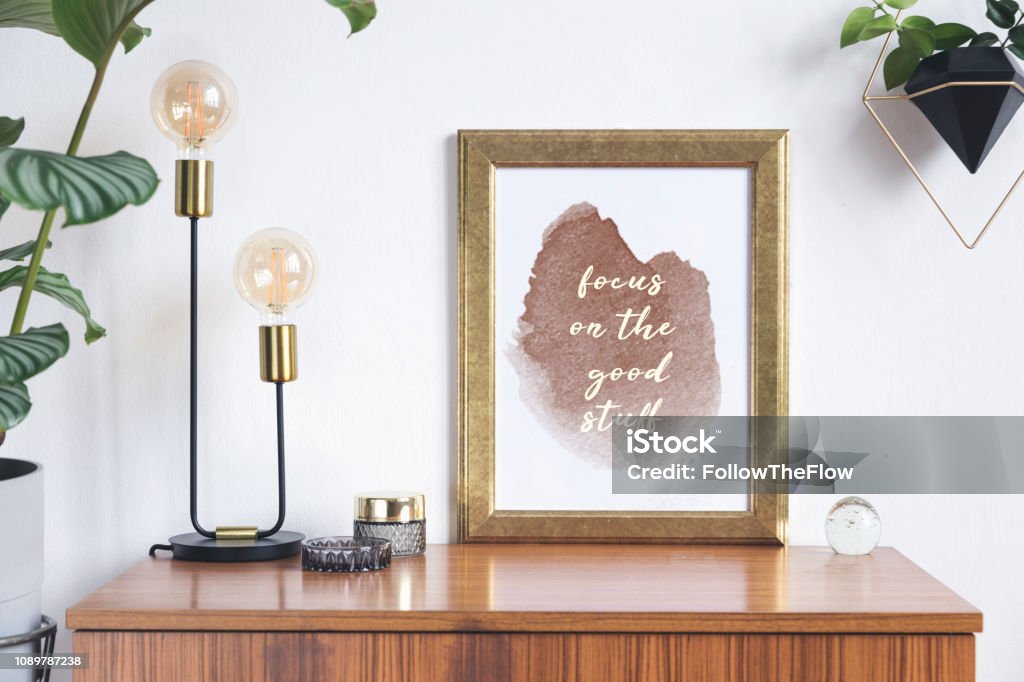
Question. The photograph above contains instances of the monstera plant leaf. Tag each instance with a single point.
(25, 355)
(39, 15)
(358, 12)
(88, 188)
(14, 405)
(56, 286)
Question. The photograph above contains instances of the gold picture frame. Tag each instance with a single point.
(480, 154)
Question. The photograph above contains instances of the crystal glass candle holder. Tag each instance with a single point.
(345, 554)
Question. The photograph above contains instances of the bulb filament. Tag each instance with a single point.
(277, 294)
(194, 133)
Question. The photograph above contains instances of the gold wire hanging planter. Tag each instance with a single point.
(868, 99)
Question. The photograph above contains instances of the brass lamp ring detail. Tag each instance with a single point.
(237, 532)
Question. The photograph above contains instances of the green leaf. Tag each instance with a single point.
(21, 251)
(35, 14)
(89, 188)
(38, 15)
(1016, 50)
(950, 35)
(14, 405)
(25, 355)
(985, 39)
(358, 12)
(877, 27)
(133, 35)
(854, 24)
(10, 130)
(1017, 35)
(917, 41)
(93, 27)
(898, 66)
(1002, 13)
(57, 287)
(901, 4)
(923, 23)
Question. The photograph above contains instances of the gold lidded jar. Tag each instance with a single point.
(397, 516)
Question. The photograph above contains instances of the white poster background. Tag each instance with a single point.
(703, 214)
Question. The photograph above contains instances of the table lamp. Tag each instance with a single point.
(194, 104)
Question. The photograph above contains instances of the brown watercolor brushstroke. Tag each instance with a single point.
(552, 365)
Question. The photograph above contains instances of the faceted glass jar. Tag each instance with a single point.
(407, 539)
(396, 516)
(853, 526)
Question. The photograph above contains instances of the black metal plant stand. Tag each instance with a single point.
(45, 634)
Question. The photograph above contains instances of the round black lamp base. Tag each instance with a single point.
(196, 547)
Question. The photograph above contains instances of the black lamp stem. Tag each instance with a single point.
(280, 463)
(194, 408)
(193, 416)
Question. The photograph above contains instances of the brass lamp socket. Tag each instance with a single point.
(193, 188)
(278, 355)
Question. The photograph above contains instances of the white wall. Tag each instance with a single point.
(352, 143)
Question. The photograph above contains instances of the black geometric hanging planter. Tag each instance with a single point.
(969, 118)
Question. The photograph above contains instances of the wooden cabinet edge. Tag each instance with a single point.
(538, 622)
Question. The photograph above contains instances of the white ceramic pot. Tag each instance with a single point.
(21, 554)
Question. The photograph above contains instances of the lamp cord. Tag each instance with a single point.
(194, 408)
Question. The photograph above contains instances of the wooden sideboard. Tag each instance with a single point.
(536, 613)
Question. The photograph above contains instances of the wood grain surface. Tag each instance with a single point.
(543, 588)
(466, 657)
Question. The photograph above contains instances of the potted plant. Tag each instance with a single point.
(930, 59)
(88, 190)
(21, 552)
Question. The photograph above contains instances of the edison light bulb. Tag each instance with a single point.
(274, 272)
(194, 104)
